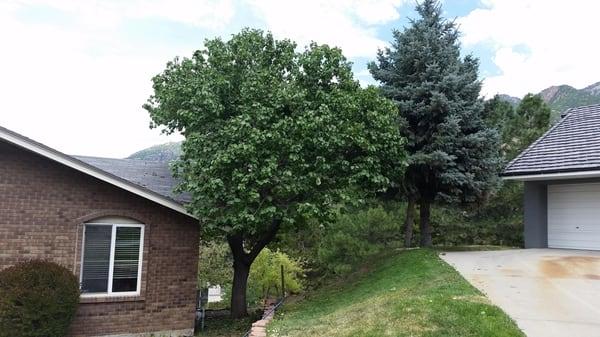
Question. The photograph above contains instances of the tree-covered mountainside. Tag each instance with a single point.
(563, 97)
(162, 152)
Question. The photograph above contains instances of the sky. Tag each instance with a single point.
(74, 74)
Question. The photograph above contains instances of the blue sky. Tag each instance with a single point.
(75, 73)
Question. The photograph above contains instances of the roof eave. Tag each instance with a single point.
(537, 176)
(59, 157)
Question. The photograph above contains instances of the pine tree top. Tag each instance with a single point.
(454, 153)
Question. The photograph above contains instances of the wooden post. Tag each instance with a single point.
(282, 283)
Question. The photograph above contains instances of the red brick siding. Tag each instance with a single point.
(42, 207)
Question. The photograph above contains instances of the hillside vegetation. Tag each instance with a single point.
(563, 97)
(405, 293)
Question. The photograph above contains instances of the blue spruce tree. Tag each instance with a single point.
(454, 155)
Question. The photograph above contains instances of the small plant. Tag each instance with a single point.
(37, 299)
(265, 275)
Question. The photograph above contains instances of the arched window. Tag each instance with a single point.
(112, 257)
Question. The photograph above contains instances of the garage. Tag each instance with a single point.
(574, 216)
(561, 176)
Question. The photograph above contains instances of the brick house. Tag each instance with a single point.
(115, 223)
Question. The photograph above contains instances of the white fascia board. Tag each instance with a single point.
(78, 165)
(555, 176)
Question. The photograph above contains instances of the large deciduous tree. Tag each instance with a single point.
(453, 153)
(272, 136)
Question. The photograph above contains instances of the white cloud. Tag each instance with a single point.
(80, 87)
(348, 24)
(537, 43)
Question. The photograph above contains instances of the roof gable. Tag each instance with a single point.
(572, 145)
(152, 181)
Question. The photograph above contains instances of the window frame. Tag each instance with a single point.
(113, 238)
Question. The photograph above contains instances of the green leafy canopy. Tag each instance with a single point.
(273, 134)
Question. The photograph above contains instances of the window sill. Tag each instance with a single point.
(111, 298)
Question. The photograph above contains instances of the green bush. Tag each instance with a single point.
(359, 233)
(37, 299)
(215, 268)
(265, 275)
(214, 265)
(453, 227)
(497, 222)
(355, 236)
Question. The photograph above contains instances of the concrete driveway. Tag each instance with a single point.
(548, 292)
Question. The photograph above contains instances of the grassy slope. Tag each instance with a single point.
(412, 293)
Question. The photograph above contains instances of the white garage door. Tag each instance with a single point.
(574, 216)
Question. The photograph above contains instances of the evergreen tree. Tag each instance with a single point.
(531, 120)
(498, 113)
(454, 155)
(519, 128)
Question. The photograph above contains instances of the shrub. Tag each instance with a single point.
(265, 275)
(355, 236)
(215, 268)
(37, 299)
(498, 222)
(214, 265)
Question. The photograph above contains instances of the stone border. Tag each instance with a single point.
(259, 328)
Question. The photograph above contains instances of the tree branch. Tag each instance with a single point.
(265, 239)
(236, 244)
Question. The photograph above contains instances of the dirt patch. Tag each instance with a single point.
(553, 269)
(587, 267)
(511, 272)
(472, 299)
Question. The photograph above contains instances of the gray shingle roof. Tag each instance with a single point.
(573, 144)
(153, 175)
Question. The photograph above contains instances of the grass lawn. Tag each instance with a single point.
(405, 293)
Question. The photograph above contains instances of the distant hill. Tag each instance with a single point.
(162, 152)
(563, 97)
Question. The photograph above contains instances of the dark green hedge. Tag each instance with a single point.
(37, 299)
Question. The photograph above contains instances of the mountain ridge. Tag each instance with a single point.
(165, 152)
(563, 97)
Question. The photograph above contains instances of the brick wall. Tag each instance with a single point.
(42, 208)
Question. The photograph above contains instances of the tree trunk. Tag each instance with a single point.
(425, 210)
(241, 271)
(241, 266)
(409, 222)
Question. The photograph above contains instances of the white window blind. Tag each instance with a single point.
(111, 261)
(96, 258)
